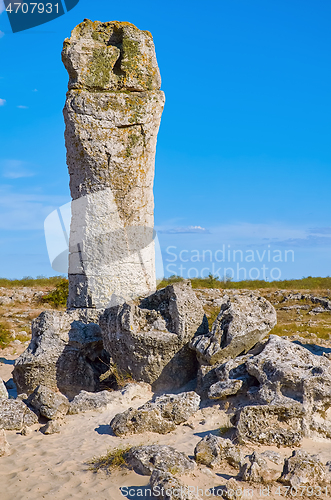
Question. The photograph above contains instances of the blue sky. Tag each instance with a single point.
(243, 155)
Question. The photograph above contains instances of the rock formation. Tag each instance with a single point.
(65, 353)
(244, 320)
(149, 341)
(112, 115)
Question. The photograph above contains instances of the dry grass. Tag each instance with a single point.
(114, 459)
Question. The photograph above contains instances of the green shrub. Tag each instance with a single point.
(59, 296)
(5, 337)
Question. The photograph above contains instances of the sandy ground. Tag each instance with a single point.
(55, 466)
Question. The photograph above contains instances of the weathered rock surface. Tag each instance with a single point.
(14, 414)
(64, 353)
(255, 469)
(144, 459)
(112, 115)
(150, 341)
(212, 450)
(52, 427)
(289, 373)
(233, 490)
(50, 404)
(273, 456)
(161, 415)
(167, 487)
(86, 401)
(4, 445)
(280, 425)
(244, 320)
(303, 469)
(3, 390)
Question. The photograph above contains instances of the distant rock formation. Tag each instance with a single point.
(112, 114)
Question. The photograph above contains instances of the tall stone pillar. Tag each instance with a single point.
(112, 115)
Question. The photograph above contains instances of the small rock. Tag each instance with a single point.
(302, 468)
(14, 414)
(4, 445)
(255, 469)
(224, 388)
(273, 456)
(212, 450)
(26, 431)
(144, 459)
(86, 401)
(51, 404)
(3, 390)
(52, 427)
(161, 415)
(166, 487)
(280, 425)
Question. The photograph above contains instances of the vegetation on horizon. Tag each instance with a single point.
(308, 283)
(39, 281)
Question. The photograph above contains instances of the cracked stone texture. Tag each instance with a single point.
(212, 450)
(243, 321)
(161, 415)
(288, 372)
(279, 425)
(144, 459)
(150, 340)
(303, 469)
(14, 415)
(65, 353)
(3, 390)
(51, 405)
(112, 114)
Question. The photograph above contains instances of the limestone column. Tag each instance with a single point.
(112, 115)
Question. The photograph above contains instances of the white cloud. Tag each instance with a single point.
(183, 230)
(35, 90)
(2, 34)
(15, 169)
(2, 102)
(22, 107)
(2, 6)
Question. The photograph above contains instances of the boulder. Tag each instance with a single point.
(144, 459)
(273, 425)
(243, 321)
(93, 401)
(166, 486)
(4, 445)
(52, 427)
(255, 469)
(303, 469)
(14, 415)
(3, 390)
(289, 373)
(233, 490)
(87, 401)
(50, 404)
(161, 415)
(150, 340)
(65, 353)
(222, 389)
(212, 450)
